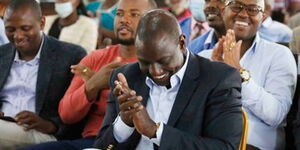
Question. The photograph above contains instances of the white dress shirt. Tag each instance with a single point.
(267, 97)
(159, 106)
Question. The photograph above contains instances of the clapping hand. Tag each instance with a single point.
(132, 111)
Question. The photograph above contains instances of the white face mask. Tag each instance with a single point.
(197, 9)
(64, 9)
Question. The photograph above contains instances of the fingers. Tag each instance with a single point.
(133, 102)
(125, 96)
(122, 79)
(25, 117)
(217, 54)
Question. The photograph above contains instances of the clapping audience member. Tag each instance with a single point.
(171, 99)
(87, 95)
(35, 73)
(267, 69)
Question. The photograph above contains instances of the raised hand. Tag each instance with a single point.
(217, 54)
(132, 111)
(99, 81)
(232, 50)
(30, 120)
(82, 71)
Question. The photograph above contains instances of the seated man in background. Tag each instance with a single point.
(212, 11)
(171, 98)
(268, 71)
(35, 73)
(272, 30)
(87, 95)
(195, 25)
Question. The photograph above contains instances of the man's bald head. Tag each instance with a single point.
(157, 23)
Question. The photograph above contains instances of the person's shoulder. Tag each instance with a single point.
(271, 48)
(5, 49)
(282, 27)
(130, 70)
(64, 47)
(84, 20)
(213, 67)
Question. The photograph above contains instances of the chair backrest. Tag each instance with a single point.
(243, 142)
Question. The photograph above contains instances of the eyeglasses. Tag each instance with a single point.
(237, 7)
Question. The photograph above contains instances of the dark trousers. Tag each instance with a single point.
(78, 144)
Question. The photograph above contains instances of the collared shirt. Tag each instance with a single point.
(275, 31)
(159, 106)
(267, 96)
(198, 28)
(19, 92)
(205, 42)
(3, 38)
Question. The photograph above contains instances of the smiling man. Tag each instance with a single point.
(85, 99)
(212, 10)
(171, 99)
(34, 77)
(267, 69)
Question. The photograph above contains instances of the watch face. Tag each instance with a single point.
(245, 75)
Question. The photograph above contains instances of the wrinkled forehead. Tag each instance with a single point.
(260, 3)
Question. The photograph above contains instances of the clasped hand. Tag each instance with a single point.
(132, 111)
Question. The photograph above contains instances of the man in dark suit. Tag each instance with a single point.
(35, 73)
(171, 99)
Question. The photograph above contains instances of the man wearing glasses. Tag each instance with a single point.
(268, 72)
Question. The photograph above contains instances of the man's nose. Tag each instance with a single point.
(155, 69)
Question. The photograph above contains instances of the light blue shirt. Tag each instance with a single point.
(159, 106)
(3, 38)
(267, 97)
(204, 42)
(275, 31)
(18, 94)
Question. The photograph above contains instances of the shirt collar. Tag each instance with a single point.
(252, 48)
(36, 59)
(209, 40)
(267, 22)
(176, 78)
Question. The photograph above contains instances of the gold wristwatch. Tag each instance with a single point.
(245, 75)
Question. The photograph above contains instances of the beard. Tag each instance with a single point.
(129, 41)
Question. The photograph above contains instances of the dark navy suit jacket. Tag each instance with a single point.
(206, 114)
(53, 77)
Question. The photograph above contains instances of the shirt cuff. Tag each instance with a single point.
(158, 134)
(251, 92)
(121, 131)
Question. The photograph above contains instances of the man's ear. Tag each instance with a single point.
(182, 42)
(42, 22)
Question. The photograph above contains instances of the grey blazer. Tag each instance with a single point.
(53, 77)
(206, 113)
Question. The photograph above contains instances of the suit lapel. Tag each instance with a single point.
(46, 66)
(186, 90)
(141, 88)
(5, 65)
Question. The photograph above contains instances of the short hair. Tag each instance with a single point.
(33, 5)
(155, 22)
